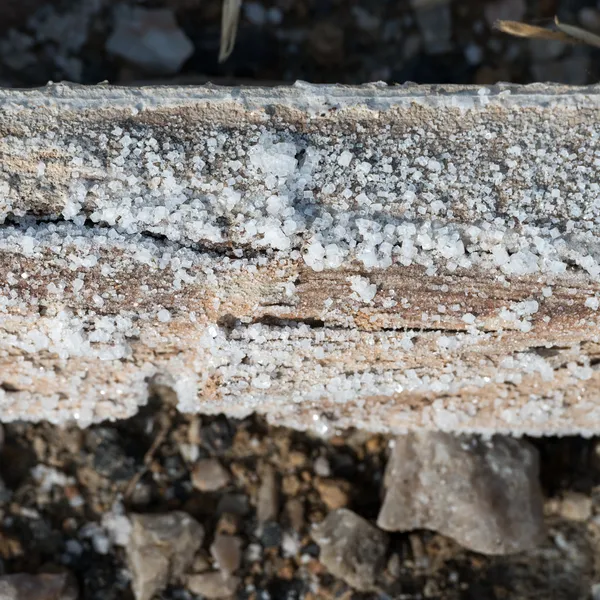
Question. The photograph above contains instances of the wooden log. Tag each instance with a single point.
(387, 258)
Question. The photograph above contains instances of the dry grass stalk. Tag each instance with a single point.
(229, 24)
(568, 34)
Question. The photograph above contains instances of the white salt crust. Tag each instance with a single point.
(507, 192)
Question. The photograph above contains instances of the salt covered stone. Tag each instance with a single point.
(485, 494)
(161, 548)
(351, 548)
(150, 39)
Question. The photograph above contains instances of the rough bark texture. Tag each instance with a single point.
(384, 258)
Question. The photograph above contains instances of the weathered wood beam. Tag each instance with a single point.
(389, 258)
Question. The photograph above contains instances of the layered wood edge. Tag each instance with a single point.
(386, 258)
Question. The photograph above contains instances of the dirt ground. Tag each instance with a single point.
(62, 486)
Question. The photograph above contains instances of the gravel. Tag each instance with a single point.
(78, 520)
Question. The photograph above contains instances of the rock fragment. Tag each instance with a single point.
(149, 39)
(160, 550)
(267, 503)
(209, 475)
(213, 584)
(484, 494)
(45, 586)
(576, 506)
(227, 551)
(351, 548)
(333, 492)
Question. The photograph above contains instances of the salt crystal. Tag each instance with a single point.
(363, 289)
(345, 158)
(163, 315)
(262, 382)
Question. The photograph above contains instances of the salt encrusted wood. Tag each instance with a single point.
(379, 257)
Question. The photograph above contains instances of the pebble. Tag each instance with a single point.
(434, 20)
(208, 475)
(576, 506)
(351, 548)
(45, 586)
(213, 584)
(149, 39)
(294, 509)
(270, 535)
(227, 551)
(267, 503)
(234, 504)
(321, 467)
(483, 494)
(160, 549)
(333, 492)
(255, 13)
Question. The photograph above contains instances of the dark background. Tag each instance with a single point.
(280, 41)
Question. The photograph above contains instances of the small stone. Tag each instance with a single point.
(227, 551)
(485, 494)
(267, 503)
(45, 586)
(270, 536)
(321, 467)
(160, 549)
(351, 548)
(150, 39)
(235, 504)
(334, 492)
(209, 475)
(213, 584)
(434, 19)
(294, 509)
(255, 13)
(576, 506)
